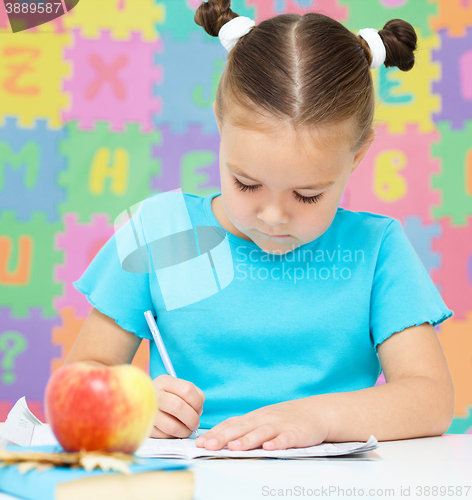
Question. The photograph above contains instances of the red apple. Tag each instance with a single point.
(109, 408)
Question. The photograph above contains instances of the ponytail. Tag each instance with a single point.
(213, 15)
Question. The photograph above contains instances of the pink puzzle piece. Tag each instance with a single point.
(465, 71)
(394, 178)
(80, 242)
(454, 276)
(393, 4)
(113, 81)
(4, 23)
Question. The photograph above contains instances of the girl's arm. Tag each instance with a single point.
(416, 401)
(101, 341)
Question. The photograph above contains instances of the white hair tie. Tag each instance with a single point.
(376, 45)
(233, 30)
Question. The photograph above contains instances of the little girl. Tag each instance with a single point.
(322, 299)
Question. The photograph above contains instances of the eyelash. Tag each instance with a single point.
(306, 199)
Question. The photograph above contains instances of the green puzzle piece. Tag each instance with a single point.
(27, 276)
(107, 171)
(455, 151)
(376, 13)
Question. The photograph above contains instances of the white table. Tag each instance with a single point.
(444, 462)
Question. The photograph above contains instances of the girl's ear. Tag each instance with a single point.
(216, 115)
(363, 150)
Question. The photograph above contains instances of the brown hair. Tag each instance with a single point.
(305, 70)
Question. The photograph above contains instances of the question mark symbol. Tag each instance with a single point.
(12, 344)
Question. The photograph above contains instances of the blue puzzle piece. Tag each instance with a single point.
(29, 165)
(192, 70)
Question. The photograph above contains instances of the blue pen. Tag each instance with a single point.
(161, 347)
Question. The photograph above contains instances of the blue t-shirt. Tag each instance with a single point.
(285, 327)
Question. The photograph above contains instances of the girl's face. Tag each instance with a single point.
(279, 183)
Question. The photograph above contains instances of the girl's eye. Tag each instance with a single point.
(244, 187)
(309, 199)
(305, 199)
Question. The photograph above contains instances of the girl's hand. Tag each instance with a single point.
(180, 405)
(292, 424)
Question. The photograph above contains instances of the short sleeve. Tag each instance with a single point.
(403, 294)
(121, 295)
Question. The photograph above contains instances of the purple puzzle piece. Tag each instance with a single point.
(26, 351)
(172, 151)
(455, 86)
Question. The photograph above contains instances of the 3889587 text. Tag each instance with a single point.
(34, 7)
(443, 491)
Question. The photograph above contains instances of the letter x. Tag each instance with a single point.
(107, 73)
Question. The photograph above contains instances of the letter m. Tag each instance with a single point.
(28, 156)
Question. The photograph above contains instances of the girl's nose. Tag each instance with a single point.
(272, 214)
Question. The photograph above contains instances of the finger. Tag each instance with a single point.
(170, 426)
(187, 391)
(283, 441)
(217, 431)
(158, 434)
(178, 408)
(253, 439)
(219, 437)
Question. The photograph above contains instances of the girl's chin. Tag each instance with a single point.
(276, 247)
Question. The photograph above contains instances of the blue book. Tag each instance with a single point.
(153, 478)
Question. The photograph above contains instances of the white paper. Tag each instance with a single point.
(23, 428)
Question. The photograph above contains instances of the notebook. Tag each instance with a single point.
(22, 427)
(187, 449)
(154, 478)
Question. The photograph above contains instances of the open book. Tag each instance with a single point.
(23, 428)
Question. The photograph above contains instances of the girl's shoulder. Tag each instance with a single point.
(361, 218)
(365, 226)
(193, 202)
